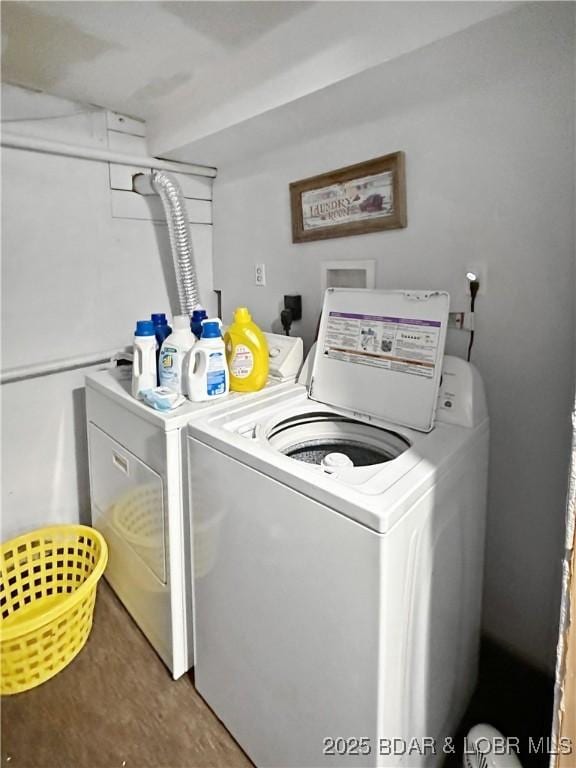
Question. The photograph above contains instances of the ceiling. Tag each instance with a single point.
(195, 69)
(131, 56)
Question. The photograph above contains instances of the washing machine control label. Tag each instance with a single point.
(242, 362)
(406, 345)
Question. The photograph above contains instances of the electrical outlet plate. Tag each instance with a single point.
(461, 321)
(260, 274)
(482, 271)
(456, 320)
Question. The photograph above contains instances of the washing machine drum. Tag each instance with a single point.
(333, 441)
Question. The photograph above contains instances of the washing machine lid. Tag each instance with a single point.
(379, 354)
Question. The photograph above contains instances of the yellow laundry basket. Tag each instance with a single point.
(48, 581)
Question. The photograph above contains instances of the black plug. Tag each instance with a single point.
(474, 284)
(286, 320)
(294, 304)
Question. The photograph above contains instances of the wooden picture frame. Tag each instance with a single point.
(361, 198)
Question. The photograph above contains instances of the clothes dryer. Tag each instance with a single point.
(139, 499)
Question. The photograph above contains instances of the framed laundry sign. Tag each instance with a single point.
(361, 198)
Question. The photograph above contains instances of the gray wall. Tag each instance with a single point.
(490, 177)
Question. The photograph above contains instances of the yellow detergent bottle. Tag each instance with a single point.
(246, 353)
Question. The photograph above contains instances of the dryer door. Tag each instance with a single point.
(129, 496)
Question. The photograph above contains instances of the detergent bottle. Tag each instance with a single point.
(162, 330)
(206, 371)
(196, 321)
(144, 364)
(161, 327)
(247, 353)
(173, 353)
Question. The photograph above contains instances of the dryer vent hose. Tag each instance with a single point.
(166, 186)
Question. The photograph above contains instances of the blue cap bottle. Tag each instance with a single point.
(144, 328)
(143, 361)
(211, 329)
(162, 330)
(158, 318)
(196, 322)
(161, 327)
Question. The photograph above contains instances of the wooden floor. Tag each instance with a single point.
(115, 705)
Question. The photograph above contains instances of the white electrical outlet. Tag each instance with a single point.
(461, 321)
(481, 272)
(260, 274)
(456, 320)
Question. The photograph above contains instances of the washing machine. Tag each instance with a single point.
(139, 499)
(338, 620)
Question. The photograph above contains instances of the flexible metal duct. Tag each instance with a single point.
(166, 186)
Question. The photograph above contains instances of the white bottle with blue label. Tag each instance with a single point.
(206, 371)
(174, 355)
(144, 365)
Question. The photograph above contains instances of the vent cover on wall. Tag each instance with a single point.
(348, 274)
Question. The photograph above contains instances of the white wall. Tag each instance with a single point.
(490, 161)
(74, 281)
(321, 44)
(191, 69)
